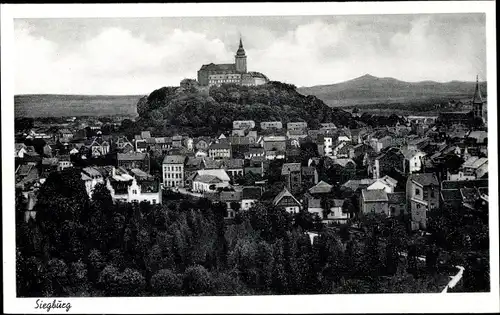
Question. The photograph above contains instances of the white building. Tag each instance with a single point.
(328, 145)
(173, 170)
(210, 180)
(137, 188)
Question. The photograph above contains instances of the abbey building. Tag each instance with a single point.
(236, 73)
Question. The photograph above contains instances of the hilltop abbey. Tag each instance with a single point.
(235, 73)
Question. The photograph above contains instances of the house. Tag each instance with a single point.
(359, 135)
(297, 126)
(176, 141)
(134, 186)
(133, 160)
(296, 134)
(232, 199)
(65, 135)
(422, 195)
(266, 125)
(274, 143)
(98, 147)
(26, 175)
(387, 162)
(359, 150)
(397, 203)
(317, 197)
(479, 136)
(309, 176)
(374, 201)
(287, 201)
(141, 145)
(64, 162)
(49, 165)
(292, 176)
(243, 124)
(173, 170)
(219, 150)
(456, 193)
(387, 183)
(210, 180)
(20, 150)
(257, 165)
(275, 155)
(250, 195)
(239, 145)
(254, 152)
(192, 165)
(413, 159)
(233, 167)
(327, 126)
(123, 145)
(336, 214)
(473, 168)
(163, 144)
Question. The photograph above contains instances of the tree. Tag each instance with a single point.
(165, 282)
(197, 280)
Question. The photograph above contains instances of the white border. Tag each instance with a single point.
(388, 303)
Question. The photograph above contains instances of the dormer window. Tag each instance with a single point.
(417, 192)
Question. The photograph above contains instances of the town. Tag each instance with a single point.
(326, 178)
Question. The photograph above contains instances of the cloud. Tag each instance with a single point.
(119, 59)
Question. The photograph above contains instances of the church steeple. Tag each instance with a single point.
(477, 93)
(241, 59)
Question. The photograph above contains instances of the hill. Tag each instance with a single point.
(52, 105)
(199, 108)
(369, 89)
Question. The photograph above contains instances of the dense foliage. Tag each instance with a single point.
(204, 110)
(82, 247)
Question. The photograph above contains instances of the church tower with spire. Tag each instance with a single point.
(477, 101)
(241, 59)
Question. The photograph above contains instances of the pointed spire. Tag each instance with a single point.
(241, 50)
(477, 93)
(241, 43)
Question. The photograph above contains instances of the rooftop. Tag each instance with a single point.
(174, 159)
(374, 195)
(424, 179)
(290, 167)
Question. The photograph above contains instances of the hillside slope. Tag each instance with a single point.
(369, 89)
(198, 107)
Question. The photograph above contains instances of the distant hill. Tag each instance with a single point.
(192, 107)
(51, 105)
(369, 89)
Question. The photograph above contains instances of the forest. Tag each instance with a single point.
(80, 247)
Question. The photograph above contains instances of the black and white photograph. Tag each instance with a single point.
(214, 153)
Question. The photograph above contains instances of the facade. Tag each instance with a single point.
(292, 176)
(136, 186)
(296, 126)
(210, 180)
(422, 195)
(133, 160)
(243, 124)
(374, 201)
(274, 143)
(287, 201)
(173, 170)
(265, 125)
(219, 151)
(233, 73)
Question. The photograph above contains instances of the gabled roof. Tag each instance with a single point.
(355, 184)
(24, 169)
(50, 161)
(474, 162)
(251, 192)
(174, 159)
(374, 195)
(219, 67)
(343, 162)
(219, 173)
(424, 179)
(207, 179)
(290, 167)
(321, 188)
(284, 193)
(338, 203)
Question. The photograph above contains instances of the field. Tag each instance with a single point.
(48, 105)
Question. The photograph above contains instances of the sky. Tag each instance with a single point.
(130, 56)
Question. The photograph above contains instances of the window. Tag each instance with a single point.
(154, 201)
(134, 192)
(432, 193)
(418, 206)
(417, 192)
